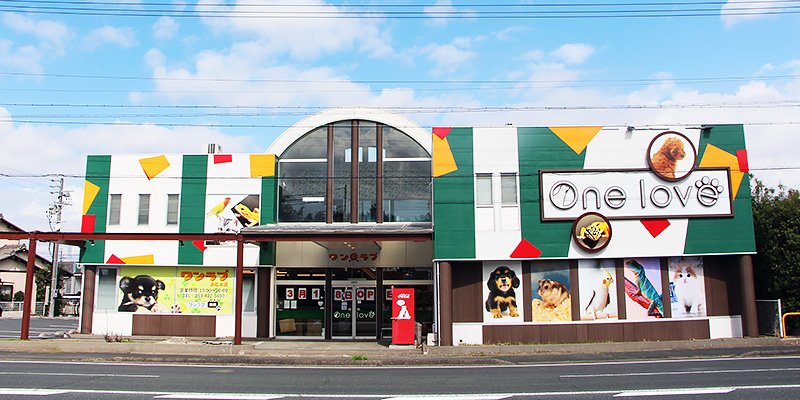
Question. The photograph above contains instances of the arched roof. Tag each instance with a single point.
(322, 118)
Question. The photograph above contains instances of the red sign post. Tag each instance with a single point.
(402, 315)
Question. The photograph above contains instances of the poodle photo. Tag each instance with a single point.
(666, 158)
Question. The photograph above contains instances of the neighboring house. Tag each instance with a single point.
(14, 262)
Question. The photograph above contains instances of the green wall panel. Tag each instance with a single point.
(724, 235)
(540, 149)
(98, 170)
(269, 215)
(454, 205)
(193, 205)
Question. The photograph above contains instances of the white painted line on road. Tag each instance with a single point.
(218, 396)
(693, 372)
(352, 367)
(31, 392)
(80, 374)
(450, 397)
(674, 392)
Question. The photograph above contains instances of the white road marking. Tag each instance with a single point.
(450, 397)
(218, 396)
(353, 367)
(31, 392)
(674, 392)
(80, 374)
(694, 372)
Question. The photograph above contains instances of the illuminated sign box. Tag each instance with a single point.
(634, 194)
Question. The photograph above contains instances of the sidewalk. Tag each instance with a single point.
(292, 352)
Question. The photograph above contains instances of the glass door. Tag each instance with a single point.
(354, 312)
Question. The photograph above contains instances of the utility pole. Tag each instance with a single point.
(54, 211)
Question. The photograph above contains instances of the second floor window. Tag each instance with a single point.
(144, 209)
(173, 205)
(114, 209)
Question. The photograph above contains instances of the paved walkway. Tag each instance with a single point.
(282, 352)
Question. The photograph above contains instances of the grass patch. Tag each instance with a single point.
(359, 357)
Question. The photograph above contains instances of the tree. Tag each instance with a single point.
(776, 219)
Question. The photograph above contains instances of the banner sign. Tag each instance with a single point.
(403, 315)
(634, 194)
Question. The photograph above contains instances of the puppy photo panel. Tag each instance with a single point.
(146, 289)
(502, 292)
(598, 290)
(552, 298)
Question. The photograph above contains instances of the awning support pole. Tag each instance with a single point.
(237, 327)
(29, 295)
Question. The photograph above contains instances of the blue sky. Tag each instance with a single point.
(72, 85)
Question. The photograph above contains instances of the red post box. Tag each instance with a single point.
(403, 315)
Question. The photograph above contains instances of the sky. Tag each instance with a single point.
(161, 76)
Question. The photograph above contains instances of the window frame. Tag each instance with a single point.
(484, 177)
(173, 209)
(143, 214)
(114, 213)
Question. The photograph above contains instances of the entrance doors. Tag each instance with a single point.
(354, 311)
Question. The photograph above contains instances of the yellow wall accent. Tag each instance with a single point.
(145, 259)
(153, 166)
(443, 160)
(262, 165)
(716, 157)
(90, 191)
(576, 137)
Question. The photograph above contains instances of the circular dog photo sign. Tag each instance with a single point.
(591, 232)
(671, 156)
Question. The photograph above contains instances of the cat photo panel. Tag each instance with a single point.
(643, 299)
(502, 300)
(598, 290)
(552, 292)
(687, 287)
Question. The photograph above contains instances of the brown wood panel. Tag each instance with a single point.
(174, 325)
(263, 285)
(597, 332)
(527, 291)
(445, 270)
(619, 276)
(467, 291)
(722, 284)
(87, 303)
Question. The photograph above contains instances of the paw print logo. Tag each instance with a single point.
(708, 191)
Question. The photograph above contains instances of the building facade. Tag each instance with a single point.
(506, 234)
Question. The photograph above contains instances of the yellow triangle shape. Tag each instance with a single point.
(90, 191)
(443, 160)
(154, 165)
(716, 157)
(146, 259)
(576, 137)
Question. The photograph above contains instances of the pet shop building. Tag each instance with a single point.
(505, 234)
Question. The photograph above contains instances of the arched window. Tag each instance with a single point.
(387, 179)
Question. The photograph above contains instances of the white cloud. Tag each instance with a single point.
(738, 11)
(165, 28)
(446, 58)
(52, 34)
(573, 53)
(302, 38)
(50, 149)
(435, 12)
(26, 58)
(109, 35)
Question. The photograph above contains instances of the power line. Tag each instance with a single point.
(308, 11)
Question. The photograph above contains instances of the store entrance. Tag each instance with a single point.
(354, 312)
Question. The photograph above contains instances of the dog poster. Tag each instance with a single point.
(502, 293)
(205, 290)
(552, 298)
(643, 294)
(147, 290)
(598, 289)
(687, 287)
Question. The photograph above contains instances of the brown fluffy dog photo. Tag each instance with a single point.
(666, 158)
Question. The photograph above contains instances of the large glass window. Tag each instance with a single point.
(310, 171)
(342, 159)
(302, 192)
(367, 172)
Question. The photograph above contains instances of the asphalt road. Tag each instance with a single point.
(10, 327)
(739, 378)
